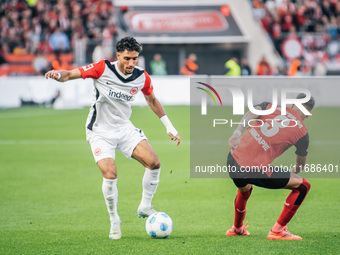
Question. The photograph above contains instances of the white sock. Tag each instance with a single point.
(110, 193)
(150, 183)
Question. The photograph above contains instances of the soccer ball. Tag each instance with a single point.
(159, 225)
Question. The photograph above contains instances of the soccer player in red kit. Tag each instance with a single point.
(108, 125)
(263, 141)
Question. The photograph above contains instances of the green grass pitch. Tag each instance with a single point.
(51, 200)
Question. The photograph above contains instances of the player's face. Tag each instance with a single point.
(127, 60)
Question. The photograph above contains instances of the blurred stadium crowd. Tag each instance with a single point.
(48, 29)
(47, 26)
(313, 23)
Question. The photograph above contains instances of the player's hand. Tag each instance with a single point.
(53, 74)
(234, 142)
(175, 138)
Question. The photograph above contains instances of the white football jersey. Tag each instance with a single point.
(113, 93)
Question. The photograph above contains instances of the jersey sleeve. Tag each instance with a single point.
(263, 105)
(148, 88)
(94, 70)
(302, 146)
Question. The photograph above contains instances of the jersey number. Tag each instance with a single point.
(276, 125)
(88, 67)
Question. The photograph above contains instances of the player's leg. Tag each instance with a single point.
(145, 154)
(240, 203)
(300, 187)
(104, 154)
(108, 168)
(133, 143)
(243, 194)
(240, 206)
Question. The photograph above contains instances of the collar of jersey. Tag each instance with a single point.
(124, 78)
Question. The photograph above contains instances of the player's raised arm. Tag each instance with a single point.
(63, 75)
(234, 140)
(158, 109)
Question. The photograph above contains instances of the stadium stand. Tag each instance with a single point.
(27, 27)
(304, 30)
(22, 64)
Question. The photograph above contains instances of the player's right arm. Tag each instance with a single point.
(234, 140)
(63, 75)
(94, 71)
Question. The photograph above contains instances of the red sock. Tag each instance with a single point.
(240, 207)
(293, 203)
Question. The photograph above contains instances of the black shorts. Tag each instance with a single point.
(277, 180)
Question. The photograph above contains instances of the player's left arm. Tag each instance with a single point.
(301, 153)
(158, 109)
(300, 164)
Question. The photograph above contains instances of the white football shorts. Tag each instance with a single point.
(124, 139)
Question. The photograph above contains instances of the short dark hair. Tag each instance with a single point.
(310, 104)
(128, 43)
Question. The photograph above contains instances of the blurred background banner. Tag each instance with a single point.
(20, 91)
(205, 24)
(170, 90)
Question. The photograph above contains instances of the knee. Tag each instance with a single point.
(306, 184)
(155, 164)
(302, 190)
(110, 175)
(108, 168)
(109, 172)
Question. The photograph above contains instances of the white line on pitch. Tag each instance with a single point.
(71, 142)
(195, 142)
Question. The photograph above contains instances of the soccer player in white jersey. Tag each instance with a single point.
(108, 125)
